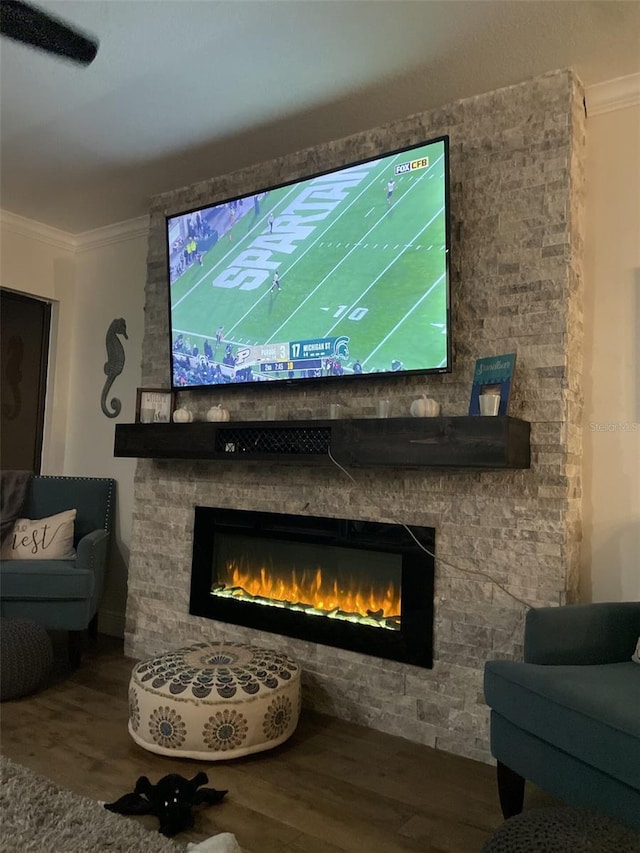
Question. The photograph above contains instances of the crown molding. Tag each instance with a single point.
(130, 229)
(85, 241)
(613, 95)
(37, 231)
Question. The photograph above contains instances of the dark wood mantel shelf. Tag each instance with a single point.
(458, 442)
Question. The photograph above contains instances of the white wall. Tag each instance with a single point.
(611, 463)
(94, 278)
(40, 262)
(90, 280)
(110, 284)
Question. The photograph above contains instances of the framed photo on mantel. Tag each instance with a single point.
(154, 405)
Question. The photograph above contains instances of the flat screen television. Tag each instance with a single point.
(335, 276)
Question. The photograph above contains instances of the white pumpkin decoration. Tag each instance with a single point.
(425, 407)
(182, 416)
(217, 413)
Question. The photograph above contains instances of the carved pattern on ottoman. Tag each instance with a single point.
(214, 701)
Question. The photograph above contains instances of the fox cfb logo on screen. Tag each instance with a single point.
(411, 165)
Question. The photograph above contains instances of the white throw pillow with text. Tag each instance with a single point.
(48, 538)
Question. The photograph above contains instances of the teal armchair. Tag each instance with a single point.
(568, 717)
(63, 594)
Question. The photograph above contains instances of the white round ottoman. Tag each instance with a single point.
(214, 701)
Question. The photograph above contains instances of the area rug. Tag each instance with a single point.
(37, 816)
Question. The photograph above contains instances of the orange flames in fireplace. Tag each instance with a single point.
(311, 588)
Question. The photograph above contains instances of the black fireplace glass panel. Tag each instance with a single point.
(375, 554)
(318, 579)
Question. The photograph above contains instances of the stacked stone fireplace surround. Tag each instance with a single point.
(517, 202)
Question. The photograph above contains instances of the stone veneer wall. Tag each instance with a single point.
(517, 196)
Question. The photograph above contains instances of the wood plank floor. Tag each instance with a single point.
(334, 787)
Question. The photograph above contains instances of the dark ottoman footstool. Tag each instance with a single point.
(26, 657)
(562, 830)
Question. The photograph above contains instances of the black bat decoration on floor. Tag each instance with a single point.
(171, 800)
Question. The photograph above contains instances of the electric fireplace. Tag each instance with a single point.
(359, 585)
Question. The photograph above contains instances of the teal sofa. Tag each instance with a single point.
(63, 594)
(568, 717)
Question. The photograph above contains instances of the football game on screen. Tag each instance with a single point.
(340, 274)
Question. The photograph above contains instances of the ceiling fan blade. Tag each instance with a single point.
(25, 23)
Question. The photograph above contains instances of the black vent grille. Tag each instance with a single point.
(294, 441)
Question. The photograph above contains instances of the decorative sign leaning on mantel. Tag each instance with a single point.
(491, 386)
(154, 405)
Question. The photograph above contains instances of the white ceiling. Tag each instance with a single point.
(183, 90)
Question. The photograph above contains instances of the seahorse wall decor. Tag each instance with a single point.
(114, 365)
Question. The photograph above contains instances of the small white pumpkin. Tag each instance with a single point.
(217, 413)
(182, 416)
(425, 407)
